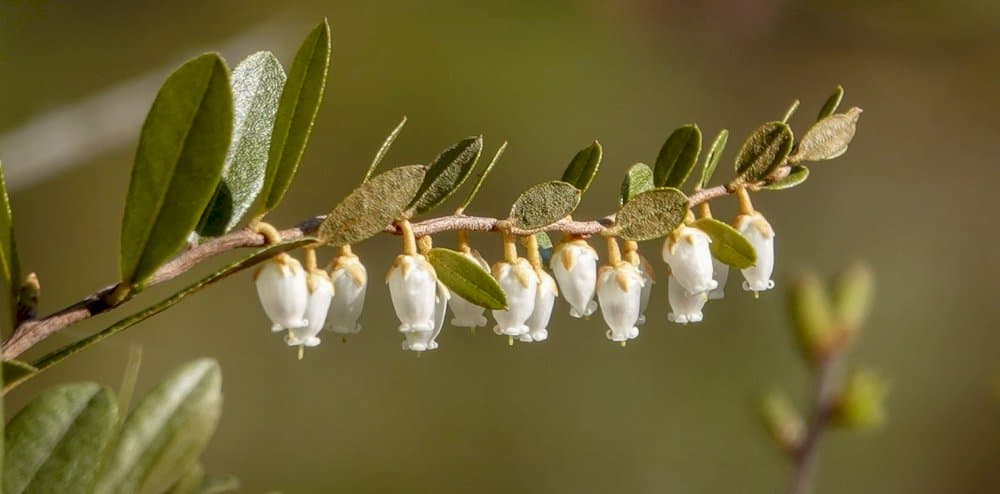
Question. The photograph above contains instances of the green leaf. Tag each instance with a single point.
(638, 179)
(852, 297)
(712, 157)
(9, 263)
(796, 175)
(832, 103)
(467, 279)
(190, 482)
(482, 177)
(15, 372)
(728, 246)
(813, 318)
(54, 444)
(582, 169)
(297, 110)
(862, 403)
(764, 151)
(182, 148)
(783, 421)
(828, 138)
(384, 149)
(257, 82)
(257, 257)
(790, 111)
(544, 204)
(677, 157)
(651, 214)
(166, 432)
(447, 173)
(372, 206)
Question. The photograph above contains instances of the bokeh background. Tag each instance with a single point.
(674, 412)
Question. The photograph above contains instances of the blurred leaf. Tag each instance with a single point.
(372, 206)
(299, 103)
(651, 214)
(15, 372)
(384, 149)
(764, 151)
(219, 485)
(251, 260)
(638, 179)
(190, 482)
(54, 444)
(852, 301)
(832, 103)
(796, 175)
(129, 377)
(790, 111)
(166, 432)
(447, 173)
(8, 249)
(677, 157)
(813, 318)
(728, 246)
(482, 177)
(177, 166)
(713, 155)
(784, 423)
(862, 402)
(467, 279)
(828, 138)
(257, 82)
(582, 169)
(544, 204)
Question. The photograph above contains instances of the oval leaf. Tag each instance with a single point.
(257, 82)
(828, 138)
(372, 206)
(832, 103)
(297, 108)
(728, 246)
(796, 175)
(544, 204)
(166, 432)
(712, 157)
(764, 151)
(178, 164)
(652, 214)
(447, 173)
(9, 263)
(54, 444)
(467, 279)
(678, 156)
(638, 179)
(582, 169)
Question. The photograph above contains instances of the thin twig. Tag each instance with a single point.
(31, 332)
(805, 454)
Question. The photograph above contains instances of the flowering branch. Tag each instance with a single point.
(31, 332)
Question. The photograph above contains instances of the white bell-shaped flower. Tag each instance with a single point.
(520, 283)
(350, 282)
(412, 287)
(619, 291)
(281, 287)
(720, 271)
(574, 262)
(685, 307)
(421, 341)
(759, 233)
(545, 299)
(468, 314)
(647, 273)
(320, 294)
(687, 252)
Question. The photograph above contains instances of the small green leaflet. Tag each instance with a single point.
(447, 173)
(651, 214)
(764, 151)
(544, 204)
(372, 206)
(582, 169)
(796, 175)
(638, 179)
(482, 177)
(790, 111)
(677, 157)
(831, 104)
(384, 149)
(712, 157)
(9, 263)
(467, 278)
(728, 246)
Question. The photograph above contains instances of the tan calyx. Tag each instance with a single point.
(315, 277)
(621, 276)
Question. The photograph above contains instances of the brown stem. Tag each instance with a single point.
(805, 454)
(31, 332)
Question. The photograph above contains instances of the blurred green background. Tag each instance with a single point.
(674, 411)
